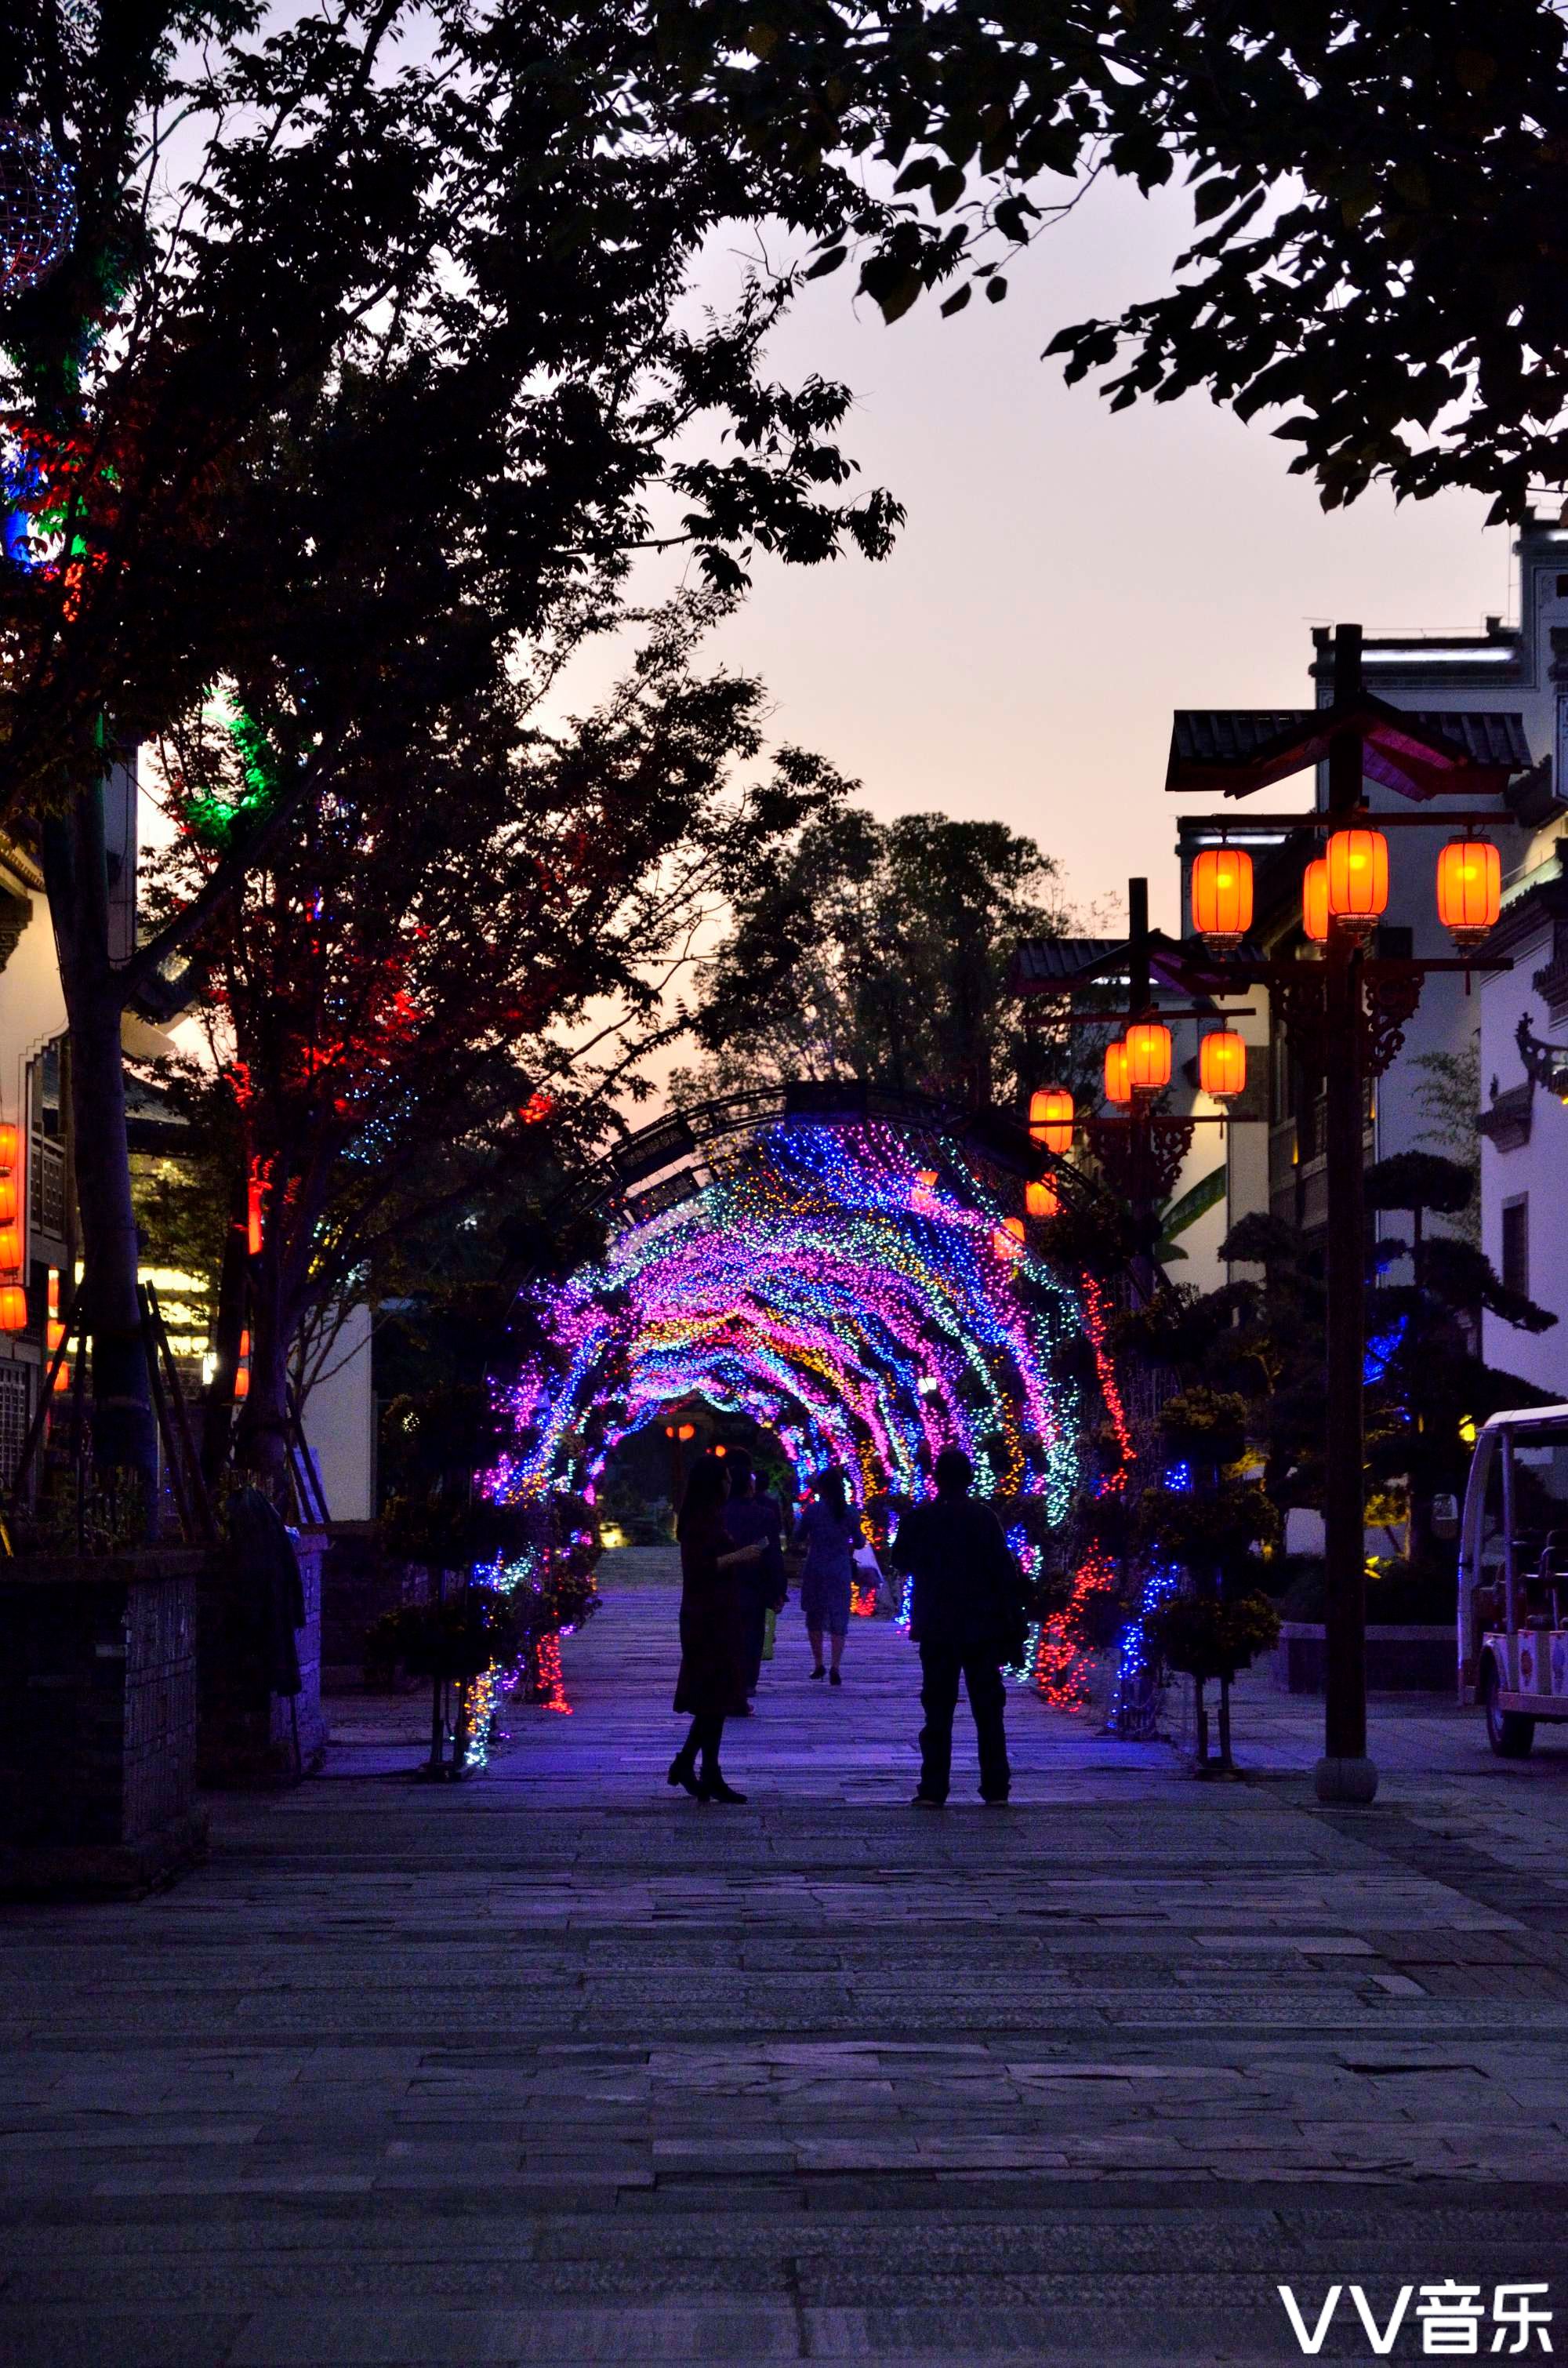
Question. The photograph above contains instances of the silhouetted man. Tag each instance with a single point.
(967, 1616)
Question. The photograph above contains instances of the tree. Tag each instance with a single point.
(880, 951)
(1425, 1385)
(433, 993)
(368, 358)
(1379, 192)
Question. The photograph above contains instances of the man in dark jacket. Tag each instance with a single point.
(967, 1616)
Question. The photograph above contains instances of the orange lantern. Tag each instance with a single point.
(1469, 889)
(253, 1214)
(718, 1448)
(1148, 1055)
(1357, 879)
(1008, 1241)
(241, 1371)
(1222, 1063)
(1040, 1199)
(1314, 900)
(10, 1143)
(925, 1176)
(1222, 896)
(8, 1199)
(10, 1247)
(1050, 1118)
(1118, 1075)
(12, 1307)
(687, 1430)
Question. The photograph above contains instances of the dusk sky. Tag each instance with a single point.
(1067, 576)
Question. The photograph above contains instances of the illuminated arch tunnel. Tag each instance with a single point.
(854, 1271)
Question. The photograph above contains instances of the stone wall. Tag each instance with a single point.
(98, 1720)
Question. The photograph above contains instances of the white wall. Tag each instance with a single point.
(340, 1423)
(1538, 1169)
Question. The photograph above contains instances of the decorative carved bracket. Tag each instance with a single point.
(1545, 1064)
(1389, 995)
(1142, 1159)
(1388, 998)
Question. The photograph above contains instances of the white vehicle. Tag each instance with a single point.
(1513, 1606)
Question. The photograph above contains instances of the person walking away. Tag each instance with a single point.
(829, 1533)
(712, 1684)
(751, 1517)
(967, 1617)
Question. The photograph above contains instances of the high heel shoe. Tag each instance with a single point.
(715, 1789)
(682, 1772)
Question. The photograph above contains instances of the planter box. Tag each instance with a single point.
(249, 1737)
(1399, 1660)
(98, 1721)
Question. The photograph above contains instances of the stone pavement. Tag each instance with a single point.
(560, 2066)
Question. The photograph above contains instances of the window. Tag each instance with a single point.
(16, 1406)
(1562, 588)
(1516, 1245)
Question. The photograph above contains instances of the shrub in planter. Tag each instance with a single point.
(1210, 1636)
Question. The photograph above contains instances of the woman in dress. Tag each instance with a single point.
(829, 1533)
(713, 1682)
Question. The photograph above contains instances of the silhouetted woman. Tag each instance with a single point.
(713, 1682)
(830, 1532)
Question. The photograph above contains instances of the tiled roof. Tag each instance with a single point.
(1219, 735)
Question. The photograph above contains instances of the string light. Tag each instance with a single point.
(37, 209)
(853, 1301)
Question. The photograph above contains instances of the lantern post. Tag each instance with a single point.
(1346, 1013)
(1344, 1772)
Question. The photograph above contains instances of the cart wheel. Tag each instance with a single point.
(1509, 1732)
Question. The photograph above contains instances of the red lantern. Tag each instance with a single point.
(1117, 1078)
(1050, 1118)
(1469, 889)
(1314, 900)
(10, 1144)
(12, 1307)
(1222, 896)
(1358, 864)
(241, 1371)
(1148, 1055)
(10, 1247)
(1040, 1199)
(1008, 1241)
(1222, 1063)
(8, 1199)
(252, 1213)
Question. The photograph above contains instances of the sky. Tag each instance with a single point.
(1067, 576)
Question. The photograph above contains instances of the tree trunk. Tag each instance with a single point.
(1200, 1725)
(76, 878)
(218, 1413)
(263, 1442)
(1226, 1762)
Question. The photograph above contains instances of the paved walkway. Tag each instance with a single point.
(560, 2066)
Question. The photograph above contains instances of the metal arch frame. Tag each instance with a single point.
(640, 1169)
